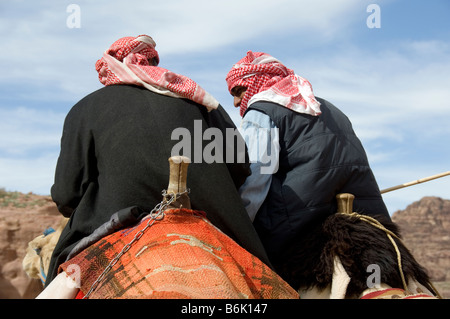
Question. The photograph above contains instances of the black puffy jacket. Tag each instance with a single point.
(320, 156)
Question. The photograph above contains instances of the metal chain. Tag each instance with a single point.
(156, 214)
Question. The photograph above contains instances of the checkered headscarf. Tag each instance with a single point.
(134, 60)
(266, 79)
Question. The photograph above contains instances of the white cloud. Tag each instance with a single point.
(28, 174)
(390, 93)
(29, 147)
(24, 131)
(42, 48)
(186, 26)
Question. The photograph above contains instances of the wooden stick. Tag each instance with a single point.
(345, 203)
(422, 180)
(178, 181)
(178, 166)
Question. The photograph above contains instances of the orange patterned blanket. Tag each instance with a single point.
(181, 256)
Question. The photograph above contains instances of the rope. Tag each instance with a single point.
(390, 234)
(372, 221)
(345, 201)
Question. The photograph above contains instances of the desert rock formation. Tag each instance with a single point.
(22, 218)
(425, 228)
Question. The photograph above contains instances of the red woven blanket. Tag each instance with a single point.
(180, 256)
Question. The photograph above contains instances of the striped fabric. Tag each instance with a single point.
(395, 293)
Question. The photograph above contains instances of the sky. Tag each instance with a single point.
(385, 64)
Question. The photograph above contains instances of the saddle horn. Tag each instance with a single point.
(345, 203)
(178, 181)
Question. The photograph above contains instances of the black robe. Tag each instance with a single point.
(114, 154)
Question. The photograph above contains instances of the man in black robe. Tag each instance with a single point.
(116, 143)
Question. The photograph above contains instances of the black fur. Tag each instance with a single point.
(309, 261)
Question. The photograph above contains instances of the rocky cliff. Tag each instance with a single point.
(425, 228)
(22, 218)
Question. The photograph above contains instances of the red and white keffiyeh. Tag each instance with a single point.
(266, 79)
(134, 60)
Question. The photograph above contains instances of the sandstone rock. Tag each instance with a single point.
(425, 228)
(21, 220)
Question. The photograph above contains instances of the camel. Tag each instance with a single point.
(173, 252)
(39, 252)
(349, 256)
(354, 256)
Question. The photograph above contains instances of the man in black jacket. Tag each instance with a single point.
(116, 143)
(311, 152)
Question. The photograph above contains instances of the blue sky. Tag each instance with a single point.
(393, 82)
